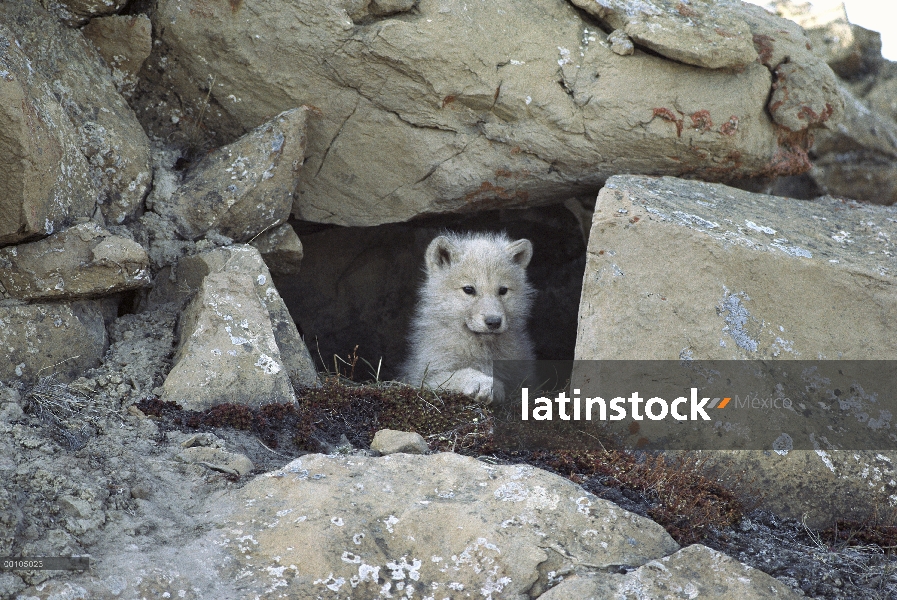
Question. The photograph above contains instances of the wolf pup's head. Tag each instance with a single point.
(480, 279)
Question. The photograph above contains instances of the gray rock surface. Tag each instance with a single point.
(858, 159)
(706, 34)
(661, 240)
(80, 262)
(237, 341)
(45, 182)
(244, 188)
(713, 272)
(61, 340)
(693, 572)
(124, 42)
(217, 459)
(77, 12)
(111, 138)
(227, 350)
(451, 109)
(389, 441)
(245, 260)
(503, 531)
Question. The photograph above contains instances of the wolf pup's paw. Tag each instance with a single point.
(479, 385)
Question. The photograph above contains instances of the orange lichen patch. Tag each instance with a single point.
(313, 110)
(764, 46)
(730, 126)
(503, 173)
(448, 100)
(701, 121)
(686, 11)
(791, 158)
(724, 33)
(490, 191)
(667, 115)
(634, 220)
(813, 117)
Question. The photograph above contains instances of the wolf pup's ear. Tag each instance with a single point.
(441, 253)
(521, 252)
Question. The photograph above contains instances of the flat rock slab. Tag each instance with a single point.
(681, 269)
(83, 261)
(693, 572)
(702, 33)
(443, 525)
(450, 109)
(61, 340)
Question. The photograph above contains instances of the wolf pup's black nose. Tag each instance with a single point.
(493, 322)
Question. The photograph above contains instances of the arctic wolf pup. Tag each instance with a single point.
(473, 309)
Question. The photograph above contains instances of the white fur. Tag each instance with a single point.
(456, 334)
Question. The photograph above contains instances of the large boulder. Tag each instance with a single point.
(455, 110)
(111, 139)
(238, 343)
(364, 527)
(80, 262)
(45, 181)
(713, 272)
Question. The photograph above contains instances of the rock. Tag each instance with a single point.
(691, 252)
(718, 273)
(45, 181)
(245, 260)
(10, 413)
(124, 42)
(850, 50)
(387, 441)
(237, 341)
(621, 43)
(227, 351)
(407, 127)
(503, 531)
(217, 460)
(858, 159)
(80, 262)
(692, 572)
(701, 33)
(76, 12)
(881, 97)
(359, 286)
(60, 340)
(111, 138)
(241, 189)
(281, 249)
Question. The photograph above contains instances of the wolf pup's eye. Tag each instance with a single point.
(468, 289)
(502, 291)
